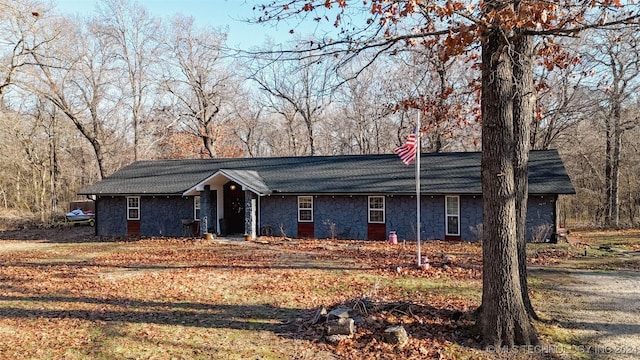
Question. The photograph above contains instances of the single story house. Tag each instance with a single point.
(347, 197)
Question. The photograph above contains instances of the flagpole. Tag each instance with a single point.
(418, 187)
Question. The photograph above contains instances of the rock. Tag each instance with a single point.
(341, 326)
(341, 312)
(396, 335)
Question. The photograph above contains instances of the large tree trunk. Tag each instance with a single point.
(504, 319)
(523, 109)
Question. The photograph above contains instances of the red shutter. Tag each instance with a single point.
(377, 231)
(133, 227)
(305, 230)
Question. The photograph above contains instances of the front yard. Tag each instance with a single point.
(66, 294)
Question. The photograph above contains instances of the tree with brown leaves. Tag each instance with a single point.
(504, 30)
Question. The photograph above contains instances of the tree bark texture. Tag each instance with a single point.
(523, 110)
(504, 320)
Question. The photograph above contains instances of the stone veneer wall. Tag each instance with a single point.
(401, 217)
(279, 213)
(159, 215)
(540, 217)
(470, 218)
(349, 216)
(111, 216)
(250, 199)
(346, 214)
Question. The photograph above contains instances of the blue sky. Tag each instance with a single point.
(218, 13)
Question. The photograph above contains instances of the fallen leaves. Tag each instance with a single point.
(176, 298)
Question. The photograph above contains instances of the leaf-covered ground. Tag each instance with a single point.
(65, 294)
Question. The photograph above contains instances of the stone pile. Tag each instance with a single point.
(340, 323)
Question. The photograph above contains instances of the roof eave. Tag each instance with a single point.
(197, 188)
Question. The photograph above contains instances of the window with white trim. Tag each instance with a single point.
(376, 209)
(196, 208)
(305, 208)
(452, 205)
(133, 208)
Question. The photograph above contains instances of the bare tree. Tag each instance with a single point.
(563, 99)
(249, 127)
(31, 137)
(35, 133)
(81, 81)
(20, 34)
(133, 33)
(287, 137)
(299, 88)
(574, 110)
(364, 113)
(201, 87)
(615, 57)
(630, 168)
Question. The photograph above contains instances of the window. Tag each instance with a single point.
(376, 209)
(133, 208)
(196, 208)
(305, 208)
(453, 215)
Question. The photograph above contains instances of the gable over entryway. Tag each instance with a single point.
(231, 190)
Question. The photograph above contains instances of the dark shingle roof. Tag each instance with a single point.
(441, 173)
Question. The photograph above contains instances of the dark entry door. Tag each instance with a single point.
(233, 209)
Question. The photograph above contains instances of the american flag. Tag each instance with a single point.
(407, 152)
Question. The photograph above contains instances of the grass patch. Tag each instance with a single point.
(560, 341)
(411, 287)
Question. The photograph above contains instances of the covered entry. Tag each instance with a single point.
(233, 208)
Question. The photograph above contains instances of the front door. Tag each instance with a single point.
(234, 211)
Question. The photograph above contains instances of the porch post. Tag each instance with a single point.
(205, 210)
(251, 208)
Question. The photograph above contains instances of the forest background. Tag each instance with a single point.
(83, 96)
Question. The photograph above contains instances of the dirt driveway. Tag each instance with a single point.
(601, 309)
